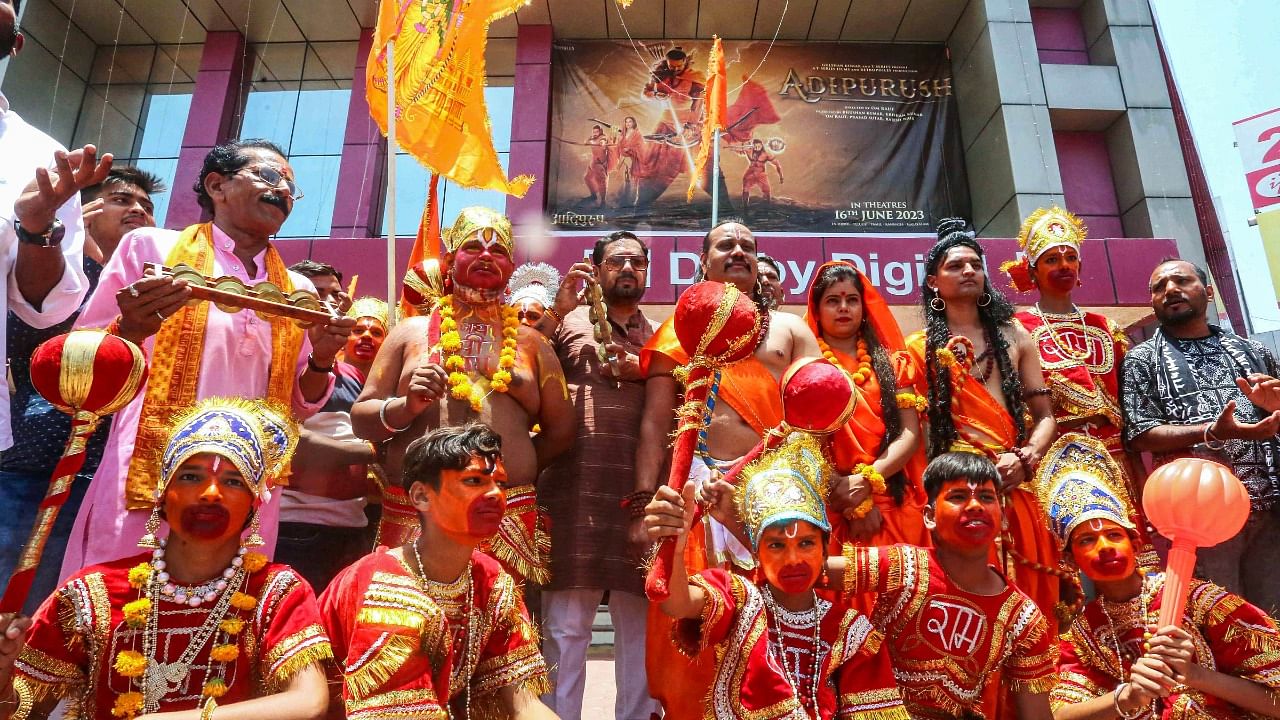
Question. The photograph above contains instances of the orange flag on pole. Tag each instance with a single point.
(438, 81)
(427, 245)
(717, 99)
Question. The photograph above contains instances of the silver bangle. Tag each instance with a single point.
(382, 415)
(1115, 702)
(1215, 444)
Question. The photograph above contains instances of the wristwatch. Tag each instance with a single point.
(51, 237)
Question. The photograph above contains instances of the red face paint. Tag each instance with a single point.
(1104, 550)
(792, 556)
(967, 514)
(470, 502)
(207, 499)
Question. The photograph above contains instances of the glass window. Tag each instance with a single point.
(412, 177)
(136, 107)
(299, 101)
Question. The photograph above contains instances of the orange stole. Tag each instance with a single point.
(859, 442)
(986, 427)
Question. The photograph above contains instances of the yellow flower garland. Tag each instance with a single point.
(240, 601)
(253, 562)
(127, 705)
(231, 626)
(130, 663)
(878, 487)
(139, 575)
(224, 653)
(136, 612)
(911, 401)
(460, 385)
(214, 688)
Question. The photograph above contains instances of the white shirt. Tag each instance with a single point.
(23, 149)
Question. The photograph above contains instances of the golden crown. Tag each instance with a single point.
(1050, 227)
(783, 485)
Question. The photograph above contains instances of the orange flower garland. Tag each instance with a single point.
(861, 372)
(460, 385)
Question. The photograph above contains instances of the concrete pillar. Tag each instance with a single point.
(211, 121)
(361, 176)
(1004, 115)
(531, 121)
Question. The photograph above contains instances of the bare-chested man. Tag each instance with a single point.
(471, 360)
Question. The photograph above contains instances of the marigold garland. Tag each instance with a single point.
(240, 601)
(136, 612)
(460, 385)
(231, 626)
(214, 688)
(127, 705)
(140, 575)
(253, 562)
(130, 663)
(911, 401)
(224, 653)
(862, 372)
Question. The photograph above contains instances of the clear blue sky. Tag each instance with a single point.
(1223, 58)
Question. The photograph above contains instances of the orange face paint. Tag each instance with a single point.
(207, 499)
(967, 514)
(470, 502)
(1103, 550)
(792, 556)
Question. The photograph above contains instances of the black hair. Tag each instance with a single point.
(881, 364)
(1200, 272)
(226, 159)
(149, 183)
(953, 233)
(597, 252)
(448, 448)
(676, 53)
(954, 465)
(314, 268)
(762, 258)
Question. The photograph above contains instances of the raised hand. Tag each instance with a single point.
(51, 189)
(1262, 390)
(1227, 427)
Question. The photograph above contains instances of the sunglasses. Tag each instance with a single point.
(618, 262)
(272, 177)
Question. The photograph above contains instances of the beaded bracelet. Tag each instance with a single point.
(636, 502)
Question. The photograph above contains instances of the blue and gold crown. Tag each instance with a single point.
(783, 485)
(258, 437)
(1078, 481)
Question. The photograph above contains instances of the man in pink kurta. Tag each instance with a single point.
(235, 361)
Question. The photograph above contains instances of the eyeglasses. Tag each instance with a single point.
(272, 177)
(617, 262)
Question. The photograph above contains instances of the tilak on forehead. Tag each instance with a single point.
(488, 226)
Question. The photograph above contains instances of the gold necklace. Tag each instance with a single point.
(1067, 352)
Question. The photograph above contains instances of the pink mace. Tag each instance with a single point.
(1195, 503)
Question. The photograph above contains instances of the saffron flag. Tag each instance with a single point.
(438, 81)
(717, 98)
(427, 245)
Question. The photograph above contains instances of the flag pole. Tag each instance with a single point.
(715, 177)
(392, 300)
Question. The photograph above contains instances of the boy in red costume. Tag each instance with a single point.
(1221, 661)
(199, 624)
(783, 650)
(436, 629)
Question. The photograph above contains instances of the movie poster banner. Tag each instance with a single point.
(820, 137)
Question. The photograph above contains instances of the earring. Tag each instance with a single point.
(824, 580)
(254, 539)
(149, 541)
(985, 296)
(938, 304)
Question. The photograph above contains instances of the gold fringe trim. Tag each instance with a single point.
(1035, 687)
(489, 707)
(892, 713)
(391, 616)
(1255, 638)
(539, 547)
(369, 677)
(317, 654)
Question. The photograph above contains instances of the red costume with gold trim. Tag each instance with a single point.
(985, 427)
(855, 678)
(408, 647)
(1230, 636)
(948, 644)
(78, 632)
